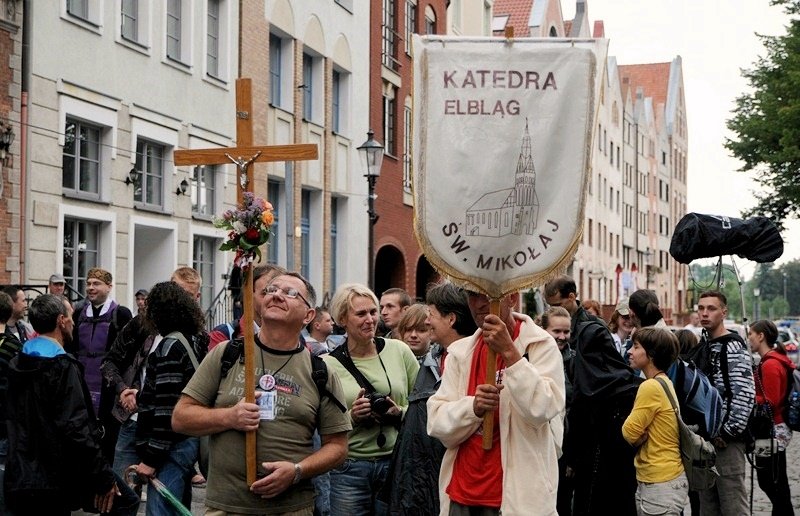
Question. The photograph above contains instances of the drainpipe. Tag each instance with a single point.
(27, 17)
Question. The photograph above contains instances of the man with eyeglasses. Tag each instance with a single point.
(288, 408)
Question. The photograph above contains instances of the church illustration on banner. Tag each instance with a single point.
(513, 211)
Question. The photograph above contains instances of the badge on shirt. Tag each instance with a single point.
(266, 405)
(267, 382)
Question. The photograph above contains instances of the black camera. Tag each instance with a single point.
(379, 403)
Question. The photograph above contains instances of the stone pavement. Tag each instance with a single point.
(761, 505)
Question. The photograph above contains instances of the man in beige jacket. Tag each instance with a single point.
(519, 475)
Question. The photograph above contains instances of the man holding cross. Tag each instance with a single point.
(213, 404)
(519, 474)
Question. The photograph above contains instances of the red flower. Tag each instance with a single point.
(251, 235)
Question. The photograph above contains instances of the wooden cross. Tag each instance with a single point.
(243, 156)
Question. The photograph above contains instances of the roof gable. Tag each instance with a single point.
(653, 78)
(518, 12)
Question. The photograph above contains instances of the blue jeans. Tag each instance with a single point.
(322, 485)
(355, 486)
(176, 474)
(125, 451)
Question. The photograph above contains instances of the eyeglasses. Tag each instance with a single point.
(291, 293)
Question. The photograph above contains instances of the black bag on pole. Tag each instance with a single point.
(705, 236)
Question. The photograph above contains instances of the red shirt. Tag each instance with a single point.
(773, 373)
(477, 473)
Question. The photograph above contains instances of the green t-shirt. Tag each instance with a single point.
(401, 369)
(286, 438)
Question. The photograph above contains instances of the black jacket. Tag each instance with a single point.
(54, 441)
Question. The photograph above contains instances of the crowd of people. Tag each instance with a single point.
(373, 406)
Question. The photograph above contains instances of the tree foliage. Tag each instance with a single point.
(766, 122)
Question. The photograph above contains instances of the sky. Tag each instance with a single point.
(715, 39)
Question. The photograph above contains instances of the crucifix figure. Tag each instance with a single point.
(246, 154)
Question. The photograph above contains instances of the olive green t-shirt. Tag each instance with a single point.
(286, 438)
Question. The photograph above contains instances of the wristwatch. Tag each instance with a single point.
(298, 473)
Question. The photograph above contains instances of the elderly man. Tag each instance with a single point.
(56, 284)
(291, 405)
(527, 402)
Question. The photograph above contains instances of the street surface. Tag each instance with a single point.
(761, 505)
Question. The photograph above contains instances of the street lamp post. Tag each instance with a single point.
(648, 260)
(371, 153)
(756, 307)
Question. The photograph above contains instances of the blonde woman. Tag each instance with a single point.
(377, 374)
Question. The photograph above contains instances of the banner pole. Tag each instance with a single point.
(491, 373)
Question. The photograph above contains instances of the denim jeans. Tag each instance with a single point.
(355, 486)
(125, 451)
(322, 485)
(176, 474)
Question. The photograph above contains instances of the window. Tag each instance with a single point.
(274, 197)
(149, 191)
(203, 190)
(430, 23)
(407, 149)
(275, 56)
(308, 87)
(203, 262)
(411, 23)
(174, 29)
(130, 20)
(81, 251)
(305, 233)
(590, 226)
(79, 8)
(389, 123)
(335, 101)
(212, 39)
(389, 43)
(80, 163)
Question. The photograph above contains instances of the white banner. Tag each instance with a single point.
(502, 140)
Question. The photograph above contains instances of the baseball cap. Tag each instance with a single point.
(622, 307)
(57, 278)
(141, 292)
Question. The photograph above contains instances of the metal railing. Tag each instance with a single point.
(220, 310)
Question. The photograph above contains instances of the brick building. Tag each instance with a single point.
(398, 260)
(11, 196)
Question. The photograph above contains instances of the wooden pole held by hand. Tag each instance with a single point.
(249, 368)
(491, 373)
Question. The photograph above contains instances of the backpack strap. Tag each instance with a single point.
(672, 402)
(232, 353)
(319, 373)
(176, 335)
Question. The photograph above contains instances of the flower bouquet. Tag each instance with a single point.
(248, 228)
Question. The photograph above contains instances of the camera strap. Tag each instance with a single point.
(342, 354)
